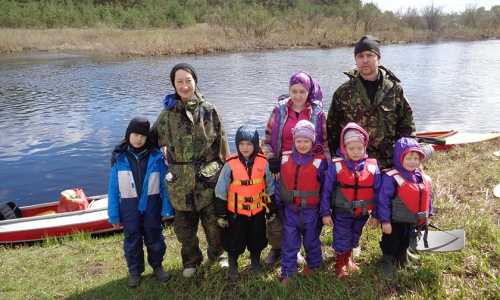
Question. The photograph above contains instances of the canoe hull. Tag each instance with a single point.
(38, 222)
(454, 138)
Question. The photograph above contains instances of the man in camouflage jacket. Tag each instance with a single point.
(373, 98)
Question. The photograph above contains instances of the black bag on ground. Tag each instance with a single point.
(9, 210)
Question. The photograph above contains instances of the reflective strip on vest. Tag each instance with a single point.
(246, 196)
(126, 185)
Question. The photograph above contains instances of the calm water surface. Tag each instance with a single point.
(61, 115)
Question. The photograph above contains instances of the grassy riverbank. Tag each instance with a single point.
(171, 27)
(206, 38)
(93, 268)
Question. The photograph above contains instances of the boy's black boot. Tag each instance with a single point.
(255, 265)
(403, 258)
(388, 265)
(133, 280)
(161, 275)
(232, 273)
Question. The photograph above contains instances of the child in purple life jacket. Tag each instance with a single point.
(301, 175)
(351, 186)
(404, 203)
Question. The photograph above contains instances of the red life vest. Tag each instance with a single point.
(412, 201)
(354, 190)
(246, 195)
(299, 184)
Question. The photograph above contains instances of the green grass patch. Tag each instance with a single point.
(86, 267)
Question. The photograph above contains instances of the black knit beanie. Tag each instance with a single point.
(138, 125)
(367, 43)
(183, 66)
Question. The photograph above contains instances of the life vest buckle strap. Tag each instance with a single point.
(422, 215)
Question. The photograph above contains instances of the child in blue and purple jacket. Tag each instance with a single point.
(404, 203)
(350, 190)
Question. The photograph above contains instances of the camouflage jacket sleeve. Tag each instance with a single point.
(406, 125)
(221, 143)
(333, 122)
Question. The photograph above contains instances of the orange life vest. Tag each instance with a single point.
(246, 194)
(412, 201)
(354, 190)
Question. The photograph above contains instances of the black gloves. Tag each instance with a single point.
(274, 165)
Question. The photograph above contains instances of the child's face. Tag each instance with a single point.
(246, 148)
(303, 145)
(137, 140)
(411, 161)
(355, 150)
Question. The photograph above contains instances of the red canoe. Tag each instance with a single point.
(445, 140)
(41, 221)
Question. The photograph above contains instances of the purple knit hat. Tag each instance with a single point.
(304, 129)
(311, 85)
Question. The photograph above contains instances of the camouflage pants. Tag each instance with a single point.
(274, 233)
(186, 230)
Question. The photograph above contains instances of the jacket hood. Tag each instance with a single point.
(352, 125)
(170, 101)
(248, 133)
(402, 147)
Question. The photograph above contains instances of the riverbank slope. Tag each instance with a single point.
(206, 38)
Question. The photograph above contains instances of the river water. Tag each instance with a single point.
(61, 114)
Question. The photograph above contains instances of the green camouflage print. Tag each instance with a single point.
(186, 230)
(386, 120)
(194, 138)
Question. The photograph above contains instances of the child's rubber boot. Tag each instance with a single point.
(351, 265)
(340, 265)
(388, 266)
(255, 265)
(133, 280)
(306, 272)
(273, 257)
(284, 280)
(232, 273)
(161, 275)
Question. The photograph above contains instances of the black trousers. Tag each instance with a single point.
(396, 243)
(245, 232)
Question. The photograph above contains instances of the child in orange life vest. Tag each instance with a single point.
(351, 183)
(242, 192)
(298, 196)
(404, 203)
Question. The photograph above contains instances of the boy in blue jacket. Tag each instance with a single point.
(138, 199)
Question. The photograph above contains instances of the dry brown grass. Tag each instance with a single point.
(204, 38)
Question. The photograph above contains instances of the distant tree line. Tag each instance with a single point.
(257, 18)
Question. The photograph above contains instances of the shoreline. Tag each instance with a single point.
(200, 39)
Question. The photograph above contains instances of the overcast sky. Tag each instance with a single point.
(447, 5)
